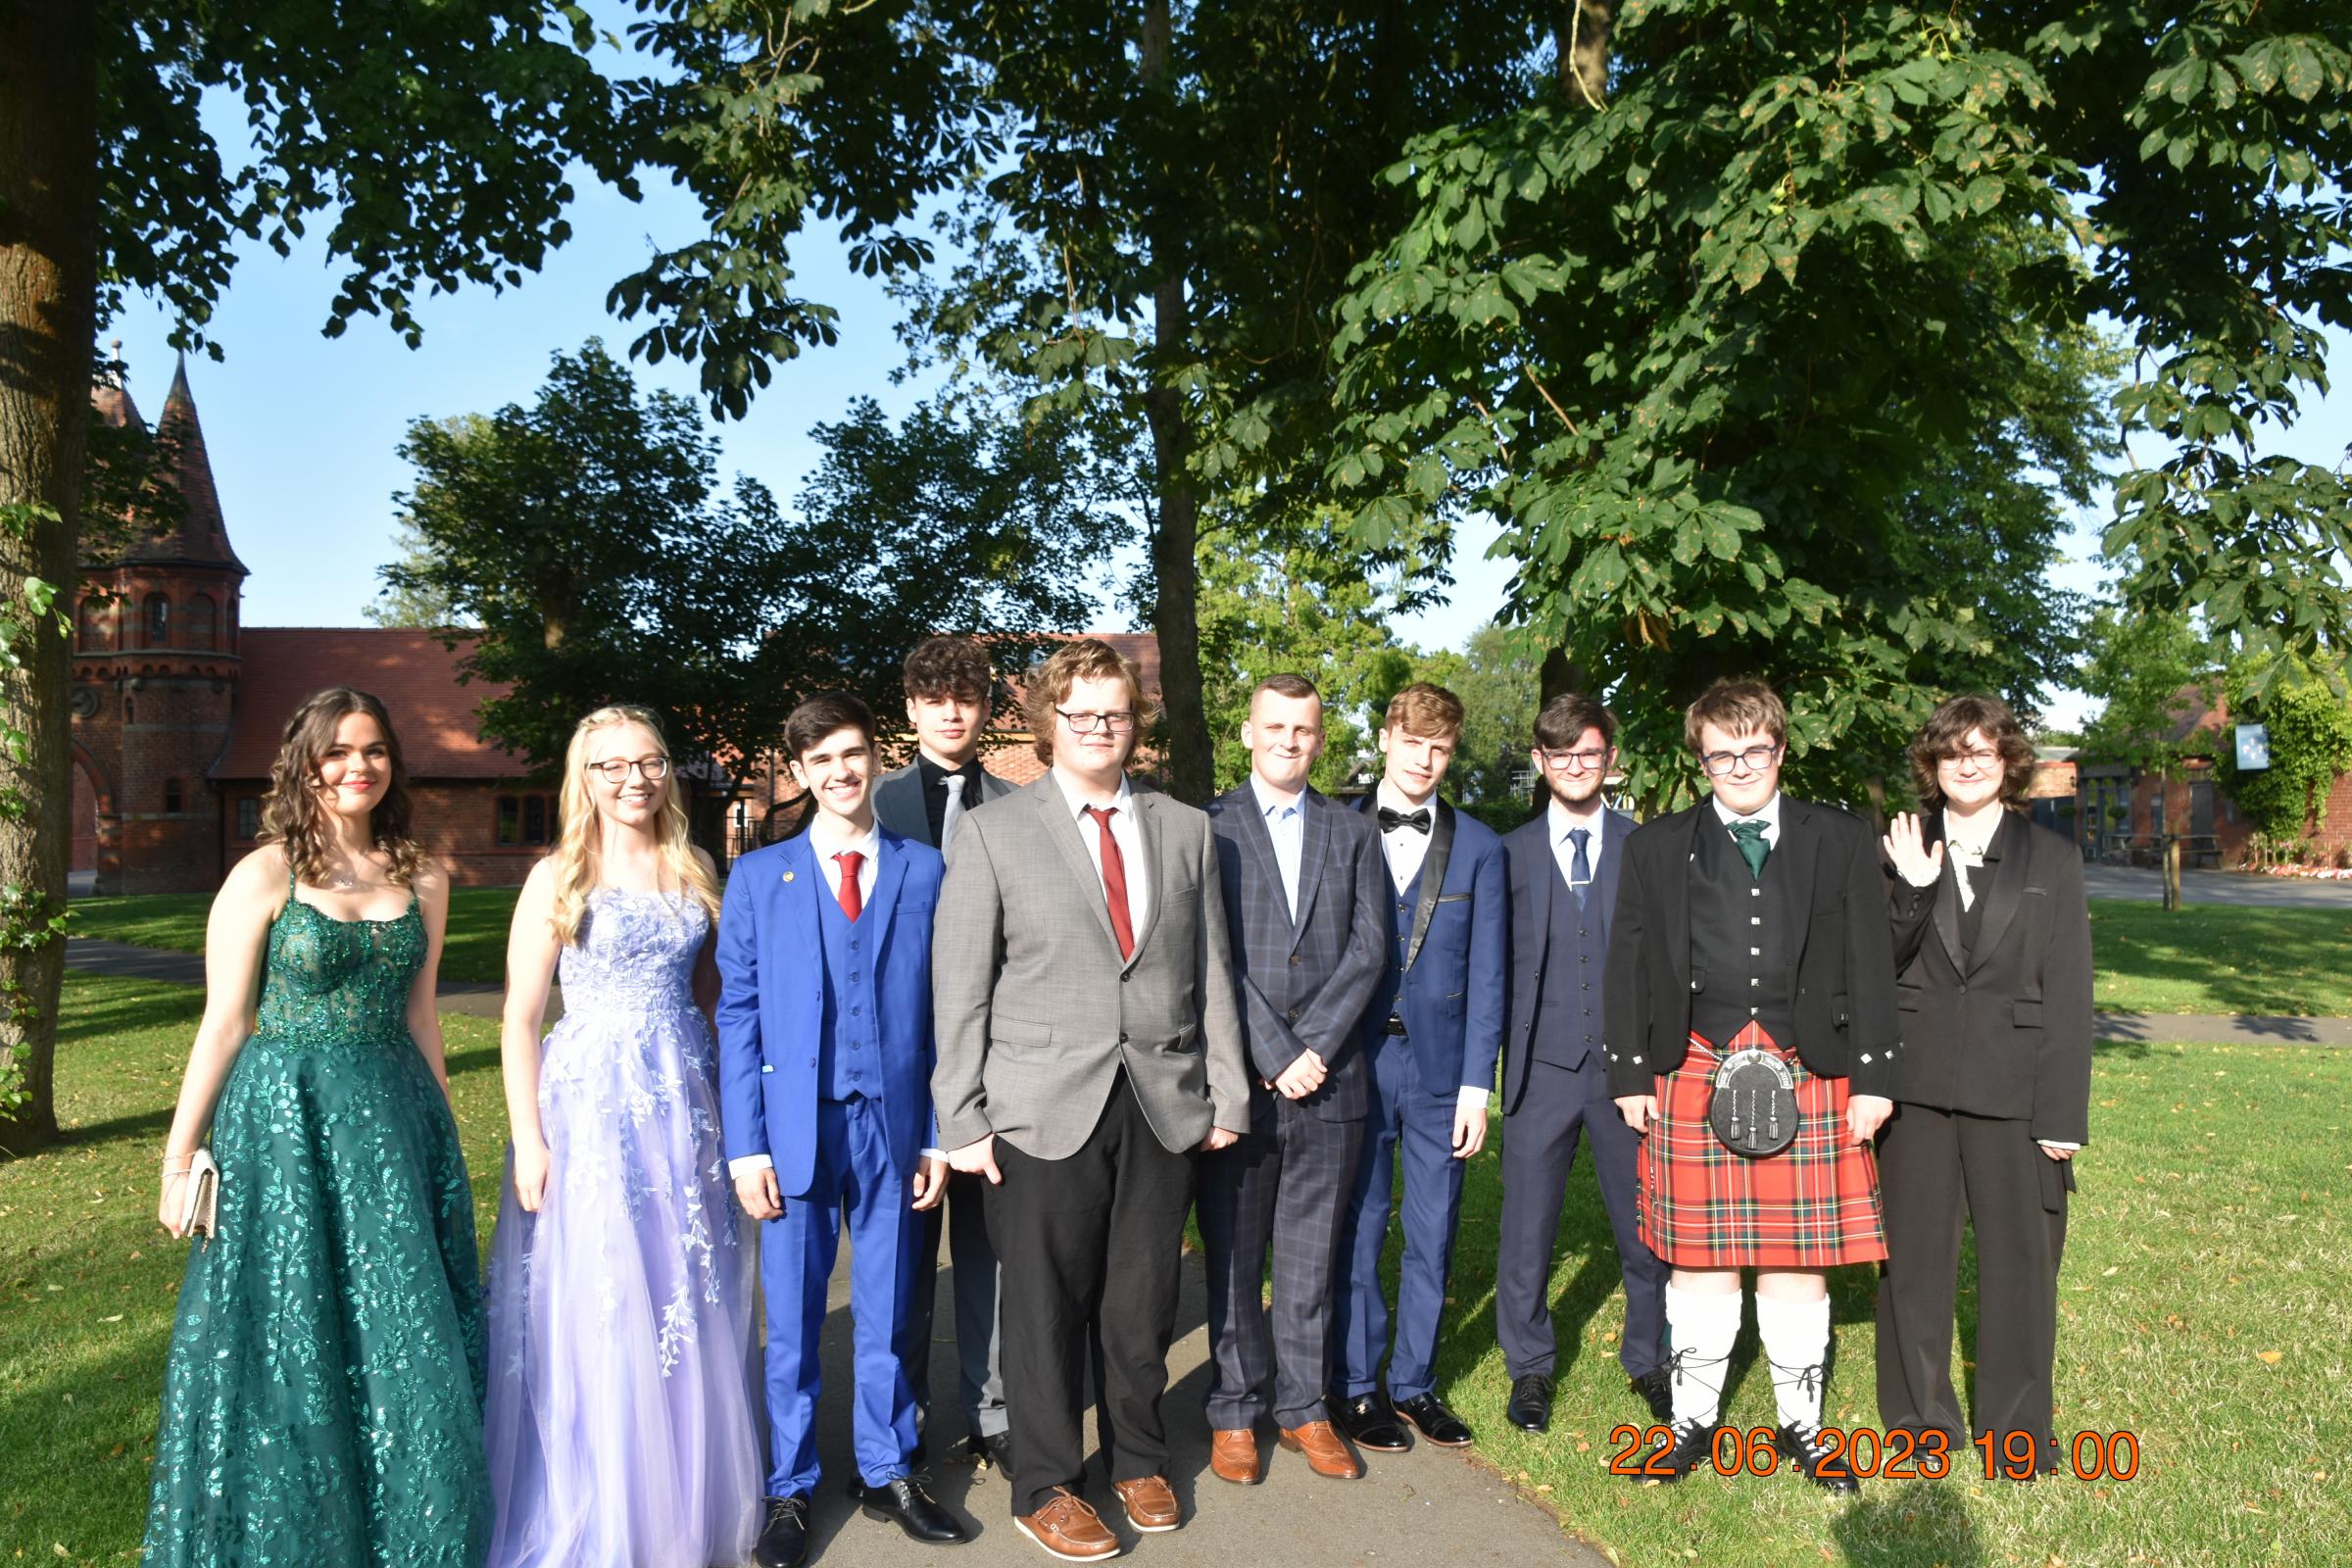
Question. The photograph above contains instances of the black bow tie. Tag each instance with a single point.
(1391, 821)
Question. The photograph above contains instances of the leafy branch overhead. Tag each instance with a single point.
(1793, 358)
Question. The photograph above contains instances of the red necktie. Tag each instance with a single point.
(1115, 879)
(851, 901)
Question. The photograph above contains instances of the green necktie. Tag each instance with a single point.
(1752, 848)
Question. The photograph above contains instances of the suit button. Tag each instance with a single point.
(1294, 960)
(1588, 1012)
(1122, 1037)
(1695, 985)
(1294, 1015)
(1123, 976)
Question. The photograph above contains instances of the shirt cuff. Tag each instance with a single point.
(1934, 876)
(745, 1164)
(2056, 1142)
(934, 1153)
(1472, 1097)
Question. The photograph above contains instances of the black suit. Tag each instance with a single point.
(1556, 1089)
(1304, 980)
(1843, 962)
(1996, 1019)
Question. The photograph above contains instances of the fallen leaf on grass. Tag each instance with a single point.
(2269, 1357)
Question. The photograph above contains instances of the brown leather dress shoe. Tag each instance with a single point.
(1068, 1529)
(1232, 1455)
(1326, 1455)
(1150, 1507)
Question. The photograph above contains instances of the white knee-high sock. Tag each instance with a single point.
(1703, 1326)
(1797, 1346)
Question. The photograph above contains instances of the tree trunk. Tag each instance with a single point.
(1582, 38)
(48, 298)
(1175, 612)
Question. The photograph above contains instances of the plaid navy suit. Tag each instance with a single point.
(1304, 984)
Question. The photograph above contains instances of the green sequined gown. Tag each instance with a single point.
(322, 1399)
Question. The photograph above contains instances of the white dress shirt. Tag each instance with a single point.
(1127, 833)
(1404, 848)
(1965, 842)
(824, 844)
(1563, 848)
(1286, 824)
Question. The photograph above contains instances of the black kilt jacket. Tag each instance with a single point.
(1843, 956)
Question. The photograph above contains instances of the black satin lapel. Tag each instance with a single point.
(1674, 896)
(1946, 893)
(1315, 843)
(1433, 875)
(2005, 879)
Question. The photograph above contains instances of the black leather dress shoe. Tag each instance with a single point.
(907, 1503)
(1530, 1409)
(1685, 1450)
(990, 1450)
(1801, 1448)
(1370, 1422)
(1656, 1386)
(1441, 1426)
(784, 1535)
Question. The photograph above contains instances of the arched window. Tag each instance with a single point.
(159, 621)
(90, 631)
(172, 797)
(202, 619)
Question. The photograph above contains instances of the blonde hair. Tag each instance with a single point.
(577, 847)
(1425, 708)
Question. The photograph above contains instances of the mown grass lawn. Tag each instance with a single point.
(2207, 1309)
(475, 948)
(2206, 958)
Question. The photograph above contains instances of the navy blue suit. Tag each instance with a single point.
(1448, 946)
(825, 1054)
(1556, 1089)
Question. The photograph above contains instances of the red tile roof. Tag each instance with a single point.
(415, 676)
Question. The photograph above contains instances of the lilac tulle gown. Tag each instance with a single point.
(619, 1425)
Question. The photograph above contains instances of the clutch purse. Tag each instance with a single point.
(1753, 1105)
(200, 1198)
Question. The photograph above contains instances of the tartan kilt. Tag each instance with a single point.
(1814, 1205)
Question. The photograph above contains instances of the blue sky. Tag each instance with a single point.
(302, 428)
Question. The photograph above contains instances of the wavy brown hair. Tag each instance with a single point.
(291, 811)
(1949, 725)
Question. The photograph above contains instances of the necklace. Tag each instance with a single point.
(343, 881)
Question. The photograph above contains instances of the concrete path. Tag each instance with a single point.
(2242, 888)
(1431, 1505)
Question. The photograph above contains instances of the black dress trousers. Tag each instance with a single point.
(1088, 1250)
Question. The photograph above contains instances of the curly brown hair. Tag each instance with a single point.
(1949, 725)
(1078, 659)
(291, 813)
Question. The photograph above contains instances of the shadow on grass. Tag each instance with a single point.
(2235, 959)
(1901, 1526)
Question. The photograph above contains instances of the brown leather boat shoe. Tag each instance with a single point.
(1150, 1507)
(1068, 1527)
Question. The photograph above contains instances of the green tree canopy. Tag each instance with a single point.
(1786, 360)
(588, 538)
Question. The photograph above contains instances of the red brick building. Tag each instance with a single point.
(179, 708)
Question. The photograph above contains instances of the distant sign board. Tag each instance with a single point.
(2253, 748)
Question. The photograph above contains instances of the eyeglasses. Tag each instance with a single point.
(616, 769)
(1088, 723)
(1981, 761)
(1575, 762)
(1755, 758)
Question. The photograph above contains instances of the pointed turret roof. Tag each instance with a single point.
(201, 537)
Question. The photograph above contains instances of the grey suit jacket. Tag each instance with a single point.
(898, 800)
(1305, 983)
(1036, 1012)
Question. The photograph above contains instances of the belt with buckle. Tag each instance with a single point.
(1396, 1025)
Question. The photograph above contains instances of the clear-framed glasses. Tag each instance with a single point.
(1585, 762)
(1755, 758)
(616, 769)
(1088, 723)
(1979, 762)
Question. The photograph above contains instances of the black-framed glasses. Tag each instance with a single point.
(1585, 762)
(1981, 761)
(616, 769)
(1757, 759)
(1088, 723)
